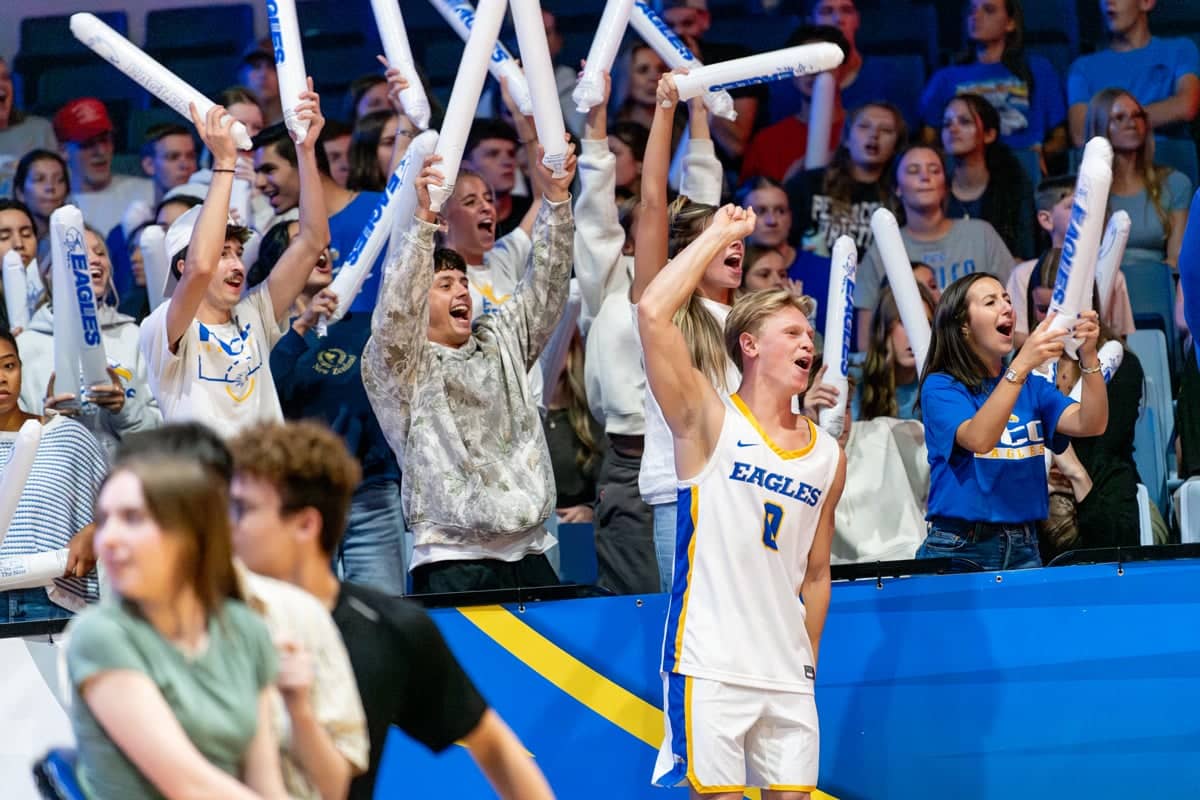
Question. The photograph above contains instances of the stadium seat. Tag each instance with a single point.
(441, 60)
(1150, 346)
(141, 120)
(577, 553)
(910, 30)
(55, 777)
(1189, 511)
(759, 33)
(333, 69)
(209, 74)
(1175, 17)
(200, 30)
(1179, 154)
(47, 42)
(1052, 22)
(1059, 54)
(1030, 163)
(1145, 526)
(58, 85)
(337, 24)
(1152, 296)
(1150, 457)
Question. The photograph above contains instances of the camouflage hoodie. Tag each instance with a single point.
(463, 422)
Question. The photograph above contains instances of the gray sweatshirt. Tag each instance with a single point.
(463, 422)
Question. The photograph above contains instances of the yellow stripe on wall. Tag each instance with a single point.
(609, 700)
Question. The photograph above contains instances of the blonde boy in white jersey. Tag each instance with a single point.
(758, 487)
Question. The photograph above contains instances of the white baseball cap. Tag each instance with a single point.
(179, 235)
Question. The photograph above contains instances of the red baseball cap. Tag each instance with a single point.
(81, 119)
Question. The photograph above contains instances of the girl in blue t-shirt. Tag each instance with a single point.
(987, 426)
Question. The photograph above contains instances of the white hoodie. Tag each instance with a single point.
(120, 335)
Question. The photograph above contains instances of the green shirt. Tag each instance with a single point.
(214, 695)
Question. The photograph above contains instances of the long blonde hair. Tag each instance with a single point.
(703, 334)
(1154, 176)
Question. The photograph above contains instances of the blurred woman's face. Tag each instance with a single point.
(45, 188)
(10, 377)
(249, 115)
(921, 180)
(647, 68)
(988, 21)
(629, 169)
(373, 99)
(141, 560)
(774, 222)
(17, 233)
(768, 272)
(99, 264)
(873, 137)
(962, 133)
(1126, 124)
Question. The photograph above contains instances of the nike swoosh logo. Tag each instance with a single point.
(746, 444)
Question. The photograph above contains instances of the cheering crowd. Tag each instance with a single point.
(260, 482)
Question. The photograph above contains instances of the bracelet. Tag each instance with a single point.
(1090, 370)
(230, 171)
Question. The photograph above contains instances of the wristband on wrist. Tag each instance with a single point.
(230, 171)
(1090, 370)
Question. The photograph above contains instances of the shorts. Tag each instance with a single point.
(723, 738)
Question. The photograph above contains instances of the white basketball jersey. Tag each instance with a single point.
(746, 525)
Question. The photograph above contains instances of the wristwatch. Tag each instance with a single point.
(1011, 376)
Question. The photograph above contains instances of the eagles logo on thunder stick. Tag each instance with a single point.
(463, 19)
(675, 54)
(289, 62)
(75, 323)
(839, 318)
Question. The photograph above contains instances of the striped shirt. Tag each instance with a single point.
(57, 501)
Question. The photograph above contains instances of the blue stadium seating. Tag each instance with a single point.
(1150, 346)
(1152, 296)
(337, 24)
(759, 33)
(57, 85)
(200, 30)
(47, 42)
(1059, 55)
(577, 553)
(1052, 22)
(914, 30)
(1189, 511)
(143, 119)
(1150, 457)
(1031, 164)
(209, 74)
(1179, 154)
(54, 774)
(334, 68)
(441, 60)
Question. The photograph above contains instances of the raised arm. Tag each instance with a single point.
(982, 432)
(208, 237)
(527, 133)
(538, 301)
(290, 274)
(816, 587)
(599, 238)
(1088, 417)
(651, 252)
(703, 174)
(1179, 107)
(689, 403)
(400, 324)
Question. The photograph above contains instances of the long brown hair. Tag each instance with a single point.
(1153, 176)
(703, 334)
(879, 374)
(573, 389)
(191, 502)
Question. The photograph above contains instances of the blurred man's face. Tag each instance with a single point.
(338, 152)
(91, 160)
(554, 39)
(260, 78)
(173, 162)
(277, 179)
(496, 160)
(689, 24)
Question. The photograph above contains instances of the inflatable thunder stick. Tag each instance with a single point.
(462, 18)
(539, 74)
(820, 118)
(155, 264)
(16, 471)
(1072, 291)
(913, 314)
(400, 186)
(15, 291)
(289, 62)
(675, 54)
(75, 321)
(1108, 263)
(839, 318)
(589, 91)
(146, 72)
(32, 571)
(394, 37)
(775, 65)
(464, 97)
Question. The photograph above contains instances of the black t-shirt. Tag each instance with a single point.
(817, 221)
(520, 204)
(406, 676)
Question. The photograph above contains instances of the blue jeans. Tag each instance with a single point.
(29, 605)
(664, 543)
(987, 545)
(372, 551)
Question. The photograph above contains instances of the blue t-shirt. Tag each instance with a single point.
(344, 229)
(877, 81)
(1024, 120)
(1007, 485)
(812, 271)
(1148, 73)
(321, 378)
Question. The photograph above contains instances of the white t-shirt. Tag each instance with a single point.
(220, 374)
(103, 209)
